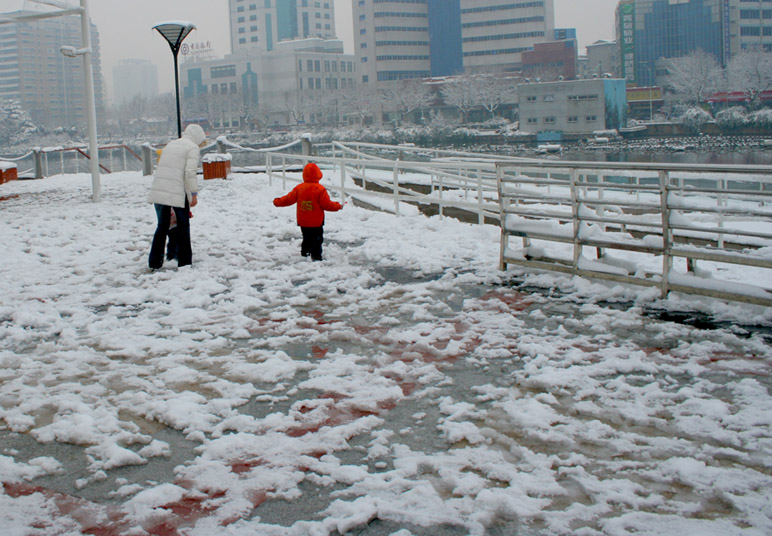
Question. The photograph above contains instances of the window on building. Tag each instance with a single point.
(253, 39)
(549, 120)
(591, 118)
(573, 119)
(318, 66)
(300, 66)
(365, 79)
(549, 98)
(233, 88)
(310, 65)
(223, 71)
(240, 20)
(532, 121)
(530, 98)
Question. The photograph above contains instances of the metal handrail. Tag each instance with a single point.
(667, 221)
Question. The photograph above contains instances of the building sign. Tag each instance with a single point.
(203, 50)
(627, 41)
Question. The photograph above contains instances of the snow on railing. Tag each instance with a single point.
(649, 231)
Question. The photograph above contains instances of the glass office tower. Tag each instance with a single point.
(649, 30)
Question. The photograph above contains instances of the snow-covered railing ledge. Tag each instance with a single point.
(16, 158)
(222, 140)
(691, 213)
(394, 179)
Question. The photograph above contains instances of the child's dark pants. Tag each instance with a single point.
(312, 242)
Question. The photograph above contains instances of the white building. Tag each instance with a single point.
(553, 109)
(602, 58)
(133, 78)
(294, 83)
(398, 39)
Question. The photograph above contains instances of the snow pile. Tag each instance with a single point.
(397, 384)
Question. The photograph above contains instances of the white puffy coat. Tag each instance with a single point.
(176, 174)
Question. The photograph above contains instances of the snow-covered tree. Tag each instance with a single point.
(761, 118)
(406, 97)
(16, 125)
(494, 90)
(694, 77)
(732, 118)
(750, 71)
(694, 118)
(362, 102)
(461, 92)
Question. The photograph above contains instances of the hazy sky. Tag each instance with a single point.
(125, 27)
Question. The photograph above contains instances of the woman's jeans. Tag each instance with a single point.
(184, 252)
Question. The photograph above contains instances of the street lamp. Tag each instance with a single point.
(175, 33)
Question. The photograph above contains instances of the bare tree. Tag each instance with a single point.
(494, 90)
(407, 96)
(299, 105)
(461, 92)
(751, 71)
(694, 77)
(361, 101)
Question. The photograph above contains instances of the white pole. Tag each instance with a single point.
(93, 148)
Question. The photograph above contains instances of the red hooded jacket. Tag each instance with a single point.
(311, 197)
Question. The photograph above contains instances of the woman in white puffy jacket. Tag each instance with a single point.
(175, 187)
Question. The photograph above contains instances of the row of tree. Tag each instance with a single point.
(693, 78)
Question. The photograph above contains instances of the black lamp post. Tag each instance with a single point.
(175, 33)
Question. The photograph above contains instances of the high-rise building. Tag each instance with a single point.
(750, 25)
(650, 30)
(261, 24)
(48, 85)
(400, 39)
(132, 78)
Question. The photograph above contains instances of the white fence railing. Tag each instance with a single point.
(636, 216)
(632, 216)
(395, 184)
(49, 161)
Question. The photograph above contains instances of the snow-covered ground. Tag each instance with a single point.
(402, 386)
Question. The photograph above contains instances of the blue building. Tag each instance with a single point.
(261, 24)
(649, 30)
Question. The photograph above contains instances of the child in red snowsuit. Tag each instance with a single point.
(312, 200)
